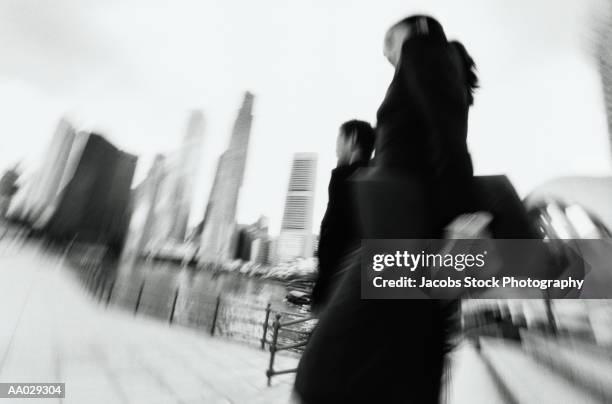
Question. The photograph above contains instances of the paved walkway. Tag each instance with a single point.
(51, 331)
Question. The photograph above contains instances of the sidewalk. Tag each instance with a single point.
(51, 332)
(529, 381)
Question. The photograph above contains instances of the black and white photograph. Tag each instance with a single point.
(274, 202)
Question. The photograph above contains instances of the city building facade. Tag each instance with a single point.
(94, 204)
(296, 236)
(219, 225)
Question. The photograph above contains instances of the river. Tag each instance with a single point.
(227, 304)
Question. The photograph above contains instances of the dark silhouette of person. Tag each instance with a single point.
(393, 351)
(423, 121)
(340, 227)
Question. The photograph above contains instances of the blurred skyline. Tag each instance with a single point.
(133, 70)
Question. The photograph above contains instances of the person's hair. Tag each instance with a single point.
(468, 69)
(422, 25)
(364, 135)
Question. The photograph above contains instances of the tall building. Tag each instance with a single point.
(161, 203)
(253, 242)
(47, 183)
(144, 202)
(175, 175)
(94, 203)
(8, 188)
(185, 173)
(220, 217)
(604, 59)
(296, 236)
(272, 257)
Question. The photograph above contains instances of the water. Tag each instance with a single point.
(221, 303)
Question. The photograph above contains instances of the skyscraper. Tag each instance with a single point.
(46, 184)
(94, 204)
(8, 188)
(604, 59)
(186, 173)
(142, 229)
(220, 216)
(296, 237)
(180, 170)
(253, 241)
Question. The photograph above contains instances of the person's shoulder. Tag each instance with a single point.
(344, 172)
(340, 171)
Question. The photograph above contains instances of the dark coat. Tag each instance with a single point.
(340, 229)
(423, 122)
(392, 351)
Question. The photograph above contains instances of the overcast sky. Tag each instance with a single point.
(133, 69)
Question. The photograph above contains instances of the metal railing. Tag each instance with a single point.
(274, 344)
(281, 330)
(215, 303)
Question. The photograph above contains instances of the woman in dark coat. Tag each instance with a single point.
(392, 351)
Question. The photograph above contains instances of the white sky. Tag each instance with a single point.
(133, 69)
